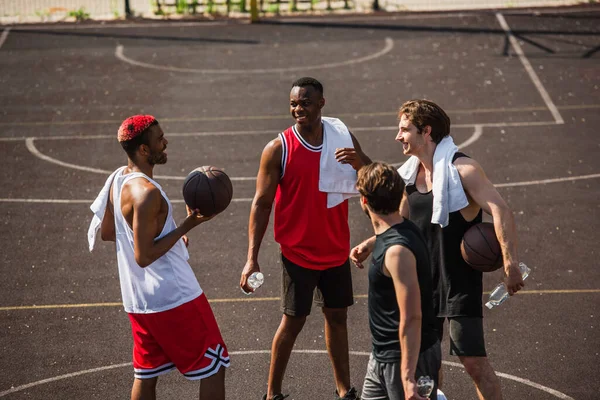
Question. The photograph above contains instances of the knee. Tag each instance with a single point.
(292, 325)
(336, 318)
(476, 367)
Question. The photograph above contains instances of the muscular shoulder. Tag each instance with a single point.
(398, 251)
(273, 148)
(271, 155)
(468, 169)
(142, 192)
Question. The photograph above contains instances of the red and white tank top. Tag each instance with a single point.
(310, 234)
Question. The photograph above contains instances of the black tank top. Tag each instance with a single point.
(457, 288)
(384, 314)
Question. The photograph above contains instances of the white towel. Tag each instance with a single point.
(98, 207)
(448, 193)
(336, 179)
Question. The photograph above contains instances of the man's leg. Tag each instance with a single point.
(336, 340)
(144, 389)
(484, 377)
(467, 342)
(281, 349)
(213, 387)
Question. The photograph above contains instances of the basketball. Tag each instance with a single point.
(480, 248)
(207, 189)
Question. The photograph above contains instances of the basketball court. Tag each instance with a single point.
(522, 89)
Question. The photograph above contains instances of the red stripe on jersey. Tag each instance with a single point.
(310, 234)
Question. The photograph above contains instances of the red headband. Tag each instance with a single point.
(133, 126)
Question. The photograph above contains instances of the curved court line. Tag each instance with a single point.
(29, 143)
(389, 45)
(477, 132)
(259, 299)
(527, 382)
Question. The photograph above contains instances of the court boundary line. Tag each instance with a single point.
(529, 69)
(277, 117)
(523, 381)
(275, 131)
(263, 299)
(29, 143)
(120, 55)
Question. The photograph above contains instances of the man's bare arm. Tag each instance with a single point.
(267, 180)
(401, 265)
(147, 201)
(483, 192)
(353, 156)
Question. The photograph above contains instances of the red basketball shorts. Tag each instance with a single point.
(186, 337)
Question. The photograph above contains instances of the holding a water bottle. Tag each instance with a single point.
(446, 194)
(400, 302)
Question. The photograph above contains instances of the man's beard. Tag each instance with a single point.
(157, 158)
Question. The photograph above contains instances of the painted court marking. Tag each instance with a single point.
(523, 381)
(120, 54)
(472, 111)
(260, 299)
(527, 65)
(477, 133)
(29, 143)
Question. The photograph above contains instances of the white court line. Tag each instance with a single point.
(274, 131)
(29, 143)
(536, 80)
(545, 181)
(249, 199)
(33, 150)
(523, 381)
(4, 36)
(478, 131)
(389, 45)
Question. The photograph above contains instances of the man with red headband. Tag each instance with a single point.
(173, 325)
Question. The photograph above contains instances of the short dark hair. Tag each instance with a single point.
(424, 112)
(131, 146)
(308, 81)
(381, 185)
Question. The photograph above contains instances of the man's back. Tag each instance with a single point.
(384, 314)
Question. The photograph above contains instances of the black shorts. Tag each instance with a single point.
(466, 336)
(331, 288)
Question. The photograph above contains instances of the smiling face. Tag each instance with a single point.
(305, 105)
(157, 144)
(411, 138)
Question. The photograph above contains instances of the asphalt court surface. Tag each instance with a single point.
(525, 105)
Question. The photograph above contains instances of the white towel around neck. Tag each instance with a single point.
(336, 179)
(98, 207)
(448, 193)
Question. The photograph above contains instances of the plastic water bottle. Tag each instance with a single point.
(500, 294)
(425, 386)
(255, 281)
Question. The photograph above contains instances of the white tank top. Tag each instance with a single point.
(166, 283)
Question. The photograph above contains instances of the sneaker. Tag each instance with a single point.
(352, 394)
(441, 395)
(276, 397)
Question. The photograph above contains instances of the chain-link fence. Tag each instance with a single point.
(14, 11)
